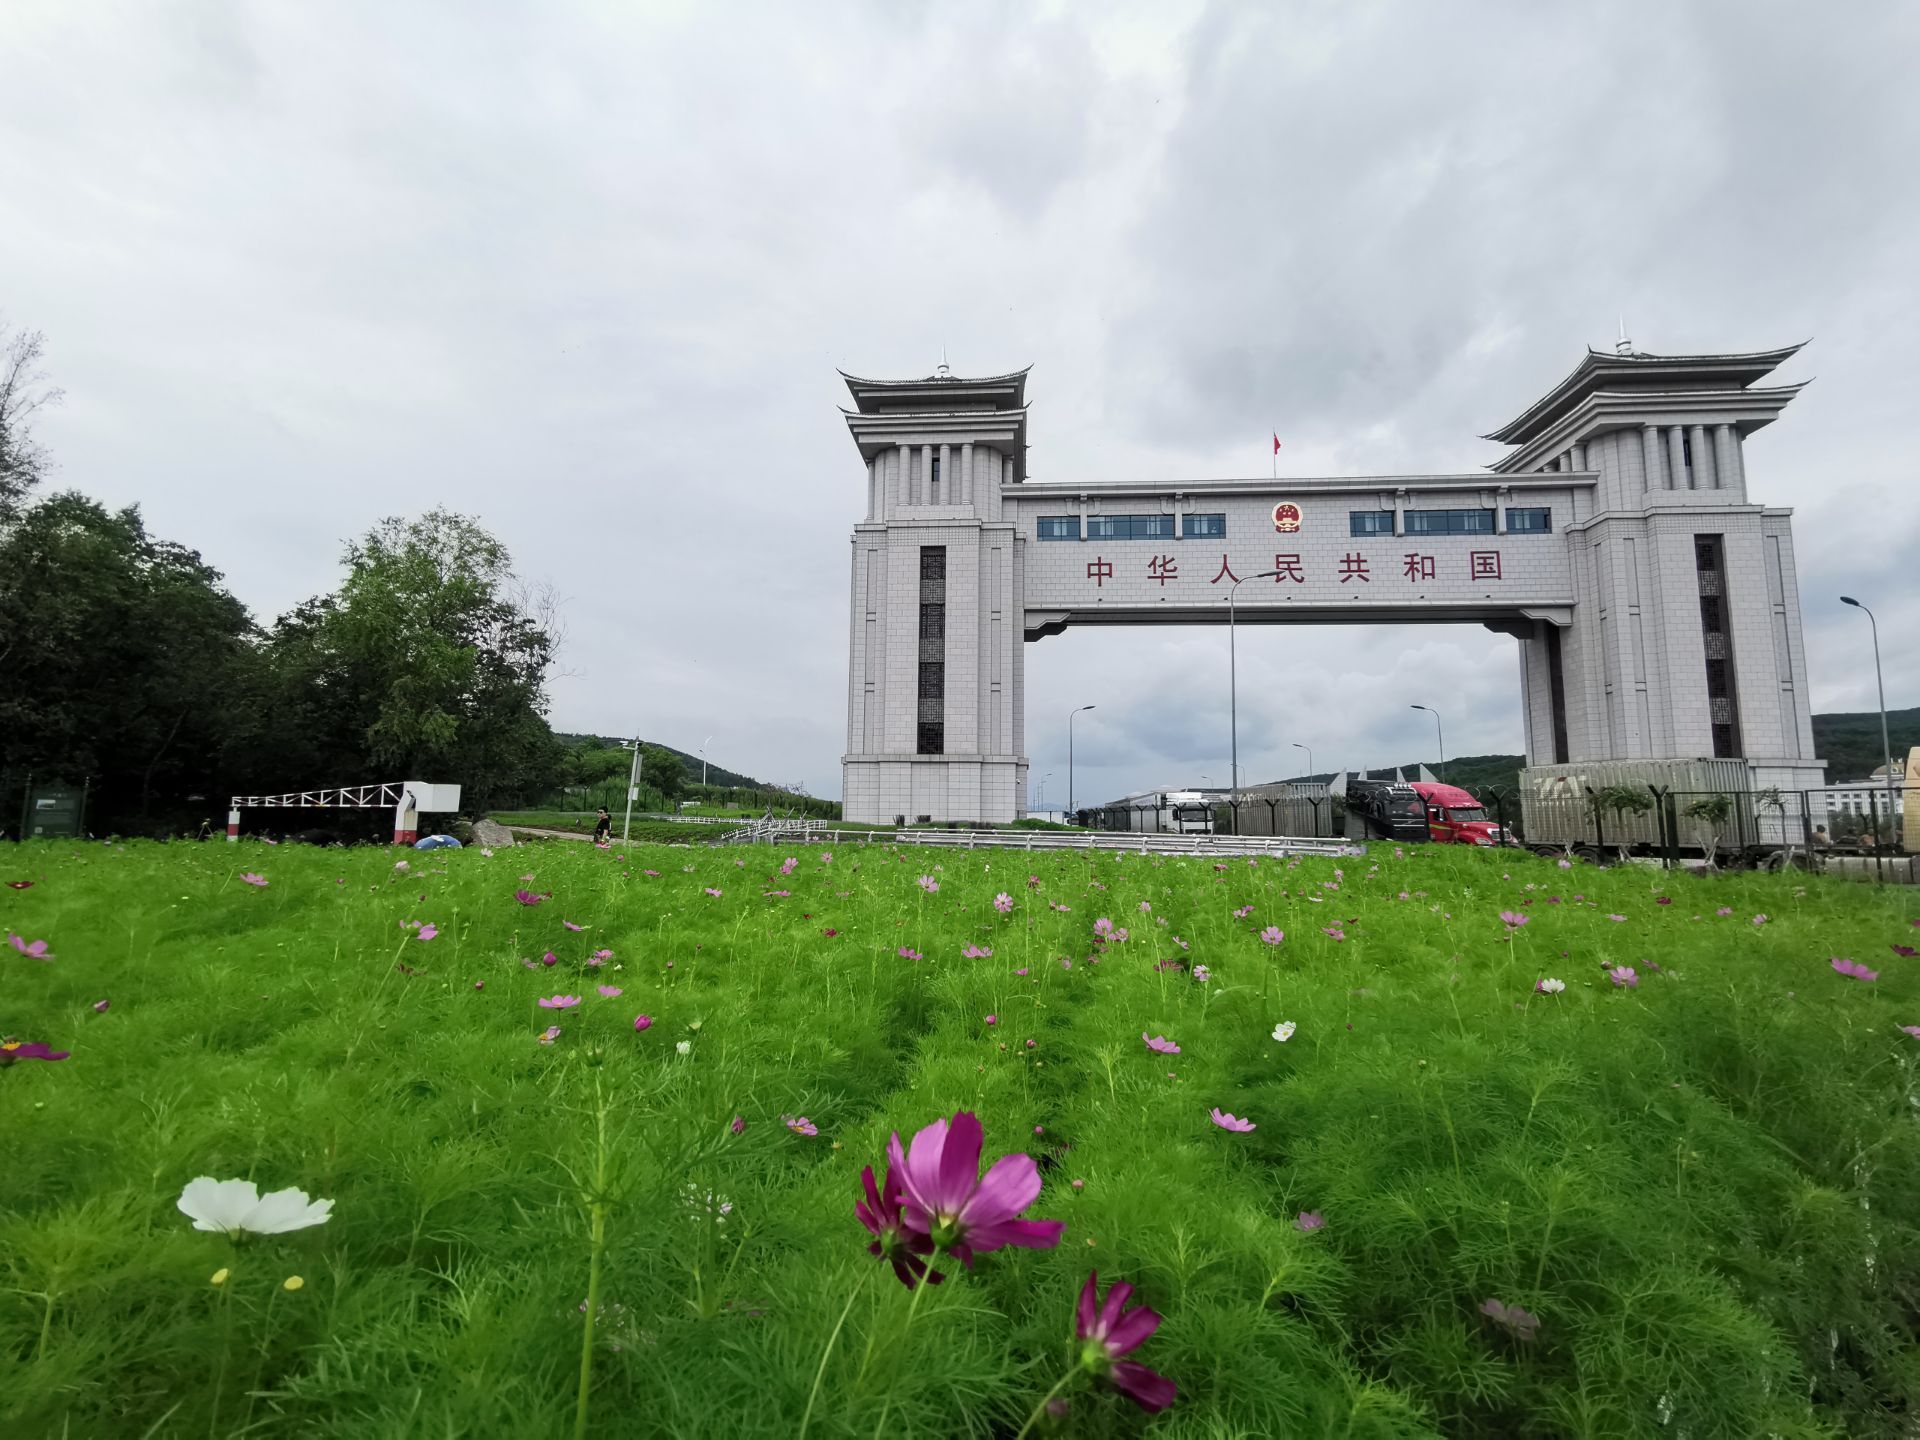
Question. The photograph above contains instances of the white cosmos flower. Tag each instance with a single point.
(685, 1047)
(234, 1207)
(1283, 1032)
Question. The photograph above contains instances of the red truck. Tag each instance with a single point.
(1455, 818)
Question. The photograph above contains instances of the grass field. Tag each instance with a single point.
(1678, 1203)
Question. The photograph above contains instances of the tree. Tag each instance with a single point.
(23, 390)
(662, 770)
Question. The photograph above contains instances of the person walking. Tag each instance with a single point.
(603, 828)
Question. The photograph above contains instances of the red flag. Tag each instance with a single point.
(1276, 444)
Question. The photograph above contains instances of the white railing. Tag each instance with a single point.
(1140, 843)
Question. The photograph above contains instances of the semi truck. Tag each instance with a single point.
(1385, 810)
(1454, 817)
(1605, 810)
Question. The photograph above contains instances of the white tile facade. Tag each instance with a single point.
(1615, 580)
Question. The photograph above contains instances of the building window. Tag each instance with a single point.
(1723, 709)
(1530, 521)
(1449, 522)
(1130, 527)
(1204, 527)
(1370, 522)
(931, 728)
(934, 471)
(1057, 527)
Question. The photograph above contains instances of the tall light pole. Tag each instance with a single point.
(703, 761)
(1309, 749)
(1441, 734)
(1070, 715)
(1886, 746)
(1233, 692)
(1043, 791)
(633, 784)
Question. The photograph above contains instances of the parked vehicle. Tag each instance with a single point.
(1454, 817)
(1692, 809)
(1382, 810)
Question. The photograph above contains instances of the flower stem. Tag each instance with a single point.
(912, 1310)
(597, 1211)
(1059, 1385)
(806, 1418)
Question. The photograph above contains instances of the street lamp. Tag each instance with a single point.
(633, 783)
(1309, 749)
(1438, 732)
(1043, 791)
(1886, 746)
(1233, 690)
(703, 761)
(1070, 715)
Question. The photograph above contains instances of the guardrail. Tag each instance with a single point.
(1139, 842)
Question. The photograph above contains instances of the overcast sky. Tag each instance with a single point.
(586, 273)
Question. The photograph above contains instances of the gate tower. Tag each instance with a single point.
(1654, 600)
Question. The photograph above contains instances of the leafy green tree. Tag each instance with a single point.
(662, 770)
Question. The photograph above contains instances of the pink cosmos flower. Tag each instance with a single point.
(1521, 1323)
(1159, 1044)
(1146, 908)
(907, 952)
(713, 892)
(1065, 963)
(608, 991)
(12, 1050)
(961, 1211)
(1102, 928)
(100, 1007)
(928, 884)
(1853, 969)
(1273, 934)
(1623, 977)
(788, 865)
(33, 950)
(1617, 919)
(1564, 863)
(800, 1125)
(1107, 1330)
(1243, 912)
(1334, 932)
(1759, 919)
(829, 933)
(549, 959)
(527, 897)
(427, 932)
(975, 952)
(1913, 1030)
(1230, 1122)
(776, 894)
(551, 1034)
(905, 1249)
(1906, 952)
(739, 1125)
(599, 957)
(1033, 882)
(1003, 902)
(642, 1022)
(993, 1019)
(573, 927)
(247, 877)
(1032, 1043)
(1549, 986)
(1512, 919)
(826, 857)
(1309, 1221)
(558, 1002)
(479, 984)
(1202, 974)
(1021, 971)
(1724, 911)
(1661, 900)
(651, 874)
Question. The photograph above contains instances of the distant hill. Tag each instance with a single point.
(716, 774)
(1849, 743)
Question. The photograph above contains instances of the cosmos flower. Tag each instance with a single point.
(993, 1019)
(33, 950)
(907, 952)
(1623, 977)
(961, 1211)
(608, 991)
(1617, 919)
(12, 1050)
(642, 1022)
(788, 865)
(1913, 1030)
(427, 932)
(1003, 902)
(549, 1035)
(1103, 928)
(19, 884)
(905, 1249)
(1853, 969)
(1724, 911)
(1759, 919)
(1308, 1221)
(247, 877)
(558, 1002)
(527, 897)
(599, 958)
(739, 1125)
(100, 1007)
(1146, 908)
(1273, 934)
(1230, 1122)
(1108, 1330)
(713, 892)
(1549, 986)
(684, 1047)
(1159, 1044)
(1519, 1322)
(549, 959)
(1906, 952)
(573, 927)
(1243, 912)
(973, 952)
(236, 1207)
(1334, 932)
(1564, 863)
(928, 884)
(1512, 919)
(1283, 1032)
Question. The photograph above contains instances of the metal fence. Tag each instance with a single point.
(1297, 811)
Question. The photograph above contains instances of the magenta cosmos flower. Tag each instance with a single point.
(1623, 977)
(1521, 1323)
(1853, 969)
(12, 1050)
(1230, 1122)
(247, 877)
(1309, 1221)
(1003, 902)
(905, 1249)
(1905, 952)
(608, 991)
(1273, 934)
(1108, 1330)
(32, 949)
(550, 1034)
(527, 897)
(1512, 919)
(976, 952)
(1159, 1044)
(558, 1002)
(573, 927)
(1913, 1030)
(800, 1125)
(427, 932)
(642, 1022)
(961, 1211)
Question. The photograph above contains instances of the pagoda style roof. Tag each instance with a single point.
(1634, 372)
(939, 393)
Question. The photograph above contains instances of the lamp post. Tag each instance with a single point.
(1233, 692)
(633, 783)
(1886, 746)
(1438, 732)
(703, 761)
(1070, 715)
(1043, 791)
(1309, 749)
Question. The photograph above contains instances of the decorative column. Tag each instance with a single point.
(946, 476)
(1677, 477)
(1704, 475)
(1729, 471)
(1650, 451)
(1579, 453)
(963, 489)
(903, 481)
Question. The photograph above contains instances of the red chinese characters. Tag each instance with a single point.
(1163, 568)
(1225, 573)
(1287, 567)
(1354, 567)
(1420, 567)
(1484, 564)
(1100, 570)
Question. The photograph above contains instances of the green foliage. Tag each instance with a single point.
(662, 770)
(1706, 1189)
(1850, 742)
(1621, 800)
